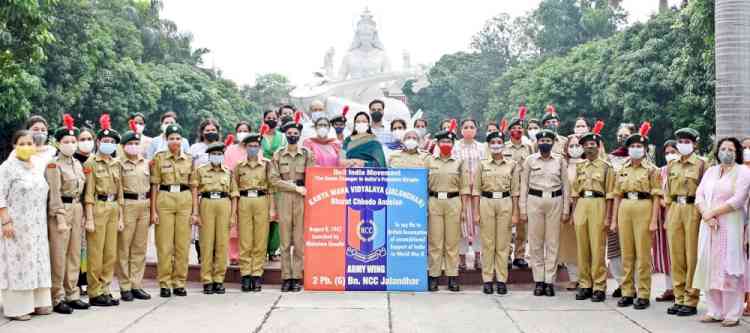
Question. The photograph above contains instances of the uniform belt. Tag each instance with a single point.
(496, 195)
(683, 199)
(136, 196)
(542, 194)
(253, 193)
(591, 194)
(69, 200)
(637, 195)
(174, 188)
(106, 197)
(444, 195)
(214, 195)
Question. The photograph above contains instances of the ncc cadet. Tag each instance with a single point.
(133, 239)
(212, 211)
(518, 151)
(684, 175)
(543, 202)
(66, 180)
(637, 191)
(251, 184)
(497, 182)
(288, 177)
(592, 199)
(551, 121)
(410, 156)
(447, 180)
(103, 201)
(171, 204)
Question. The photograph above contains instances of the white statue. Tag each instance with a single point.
(328, 62)
(367, 55)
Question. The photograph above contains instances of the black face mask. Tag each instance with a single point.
(292, 139)
(271, 123)
(590, 151)
(285, 119)
(545, 148)
(376, 116)
(211, 137)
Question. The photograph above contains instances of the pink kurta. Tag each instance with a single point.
(326, 153)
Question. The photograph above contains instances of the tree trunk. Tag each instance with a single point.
(732, 68)
(663, 6)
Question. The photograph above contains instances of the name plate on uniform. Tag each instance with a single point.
(547, 195)
(252, 193)
(374, 234)
(497, 195)
(442, 195)
(588, 194)
(633, 195)
(215, 195)
(682, 200)
(175, 188)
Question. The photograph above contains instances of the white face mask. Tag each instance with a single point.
(576, 152)
(241, 136)
(580, 130)
(497, 148)
(746, 155)
(86, 146)
(672, 157)
(532, 134)
(685, 148)
(421, 132)
(315, 116)
(636, 153)
(68, 149)
(398, 134)
(140, 128)
(133, 150)
(323, 132)
(361, 127)
(411, 144)
(216, 160)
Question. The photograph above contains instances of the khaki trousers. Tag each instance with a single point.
(443, 235)
(253, 228)
(101, 247)
(591, 238)
(214, 239)
(683, 224)
(173, 238)
(291, 208)
(633, 219)
(65, 254)
(544, 216)
(132, 244)
(495, 232)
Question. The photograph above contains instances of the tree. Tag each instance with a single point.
(732, 68)
(269, 91)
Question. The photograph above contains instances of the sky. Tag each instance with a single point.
(248, 38)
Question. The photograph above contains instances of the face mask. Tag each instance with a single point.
(252, 151)
(673, 157)
(323, 132)
(636, 153)
(68, 149)
(469, 133)
(497, 148)
(576, 152)
(580, 130)
(241, 136)
(726, 157)
(24, 153)
(216, 160)
(421, 132)
(139, 128)
(133, 150)
(107, 148)
(545, 148)
(86, 146)
(316, 115)
(446, 149)
(685, 148)
(411, 144)
(39, 138)
(211, 137)
(286, 119)
(552, 128)
(516, 134)
(590, 150)
(292, 139)
(271, 123)
(532, 134)
(376, 116)
(339, 130)
(164, 128)
(746, 155)
(361, 127)
(174, 146)
(398, 134)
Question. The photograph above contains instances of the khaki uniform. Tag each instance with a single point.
(132, 242)
(592, 187)
(497, 182)
(66, 181)
(104, 194)
(214, 188)
(251, 183)
(448, 178)
(633, 220)
(174, 205)
(548, 178)
(518, 153)
(288, 172)
(559, 146)
(403, 159)
(683, 224)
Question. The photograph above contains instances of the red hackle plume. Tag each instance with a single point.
(104, 122)
(598, 127)
(522, 110)
(132, 126)
(503, 125)
(68, 121)
(645, 128)
(345, 111)
(297, 117)
(454, 125)
(264, 129)
(229, 141)
(551, 109)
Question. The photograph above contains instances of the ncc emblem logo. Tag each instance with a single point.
(366, 231)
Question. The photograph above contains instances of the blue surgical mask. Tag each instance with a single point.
(216, 159)
(339, 130)
(107, 148)
(253, 151)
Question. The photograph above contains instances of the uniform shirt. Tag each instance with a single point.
(498, 176)
(641, 178)
(517, 152)
(252, 175)
(683, 177)
(447, 175)
(66, 179)
(288, 167)
(546, 175)
(596, 175)
(559, 146)
(102, 178)
(407, 159)
(210, 178)
(159, 144)
(135, 175)
(168, 169)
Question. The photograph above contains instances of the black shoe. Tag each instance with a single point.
(520, 263)
(500, 288)
(112, 300)
(126, 296)
(286, 286)
(62, 308)
(141, 294)
(256, 284)
(674, 309)
(641, 304)
(598, 296)
(453, 284)
(296, 285)
(539, 289)
(584, 294)
(488, 288)
(165, 293)
(687, 311)
(100, 300)
(208, 289)
(247, 284)
(79, 305)
(180, 292)
(617, 293)
(219, 288)
(625, 301)
(432, 284)
(549, 290)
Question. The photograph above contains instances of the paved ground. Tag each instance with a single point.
(272, 311)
